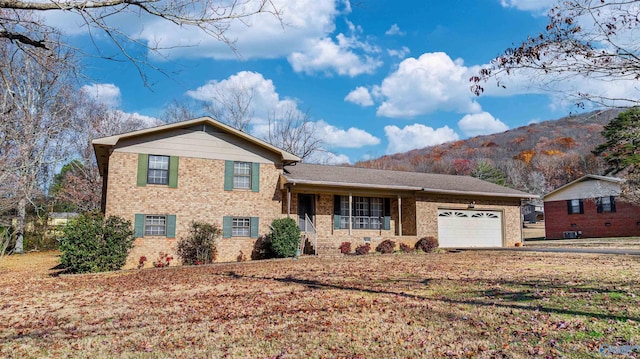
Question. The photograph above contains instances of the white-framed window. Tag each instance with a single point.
(158, 172)
(242, 175)
(240, 227)
(155, 225)
(367, 212)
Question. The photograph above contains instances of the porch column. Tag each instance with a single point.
(288, 202)
(399, 216)
(350, 212)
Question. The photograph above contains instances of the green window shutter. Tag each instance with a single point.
(336, 221)
(387, 214)
(173, 171)
(227, 224)
(336, 212)
(138, 227)
(143, 165)
(228, 177)
(255, 177)
(253, 232)
(387, 223)
(171, 226)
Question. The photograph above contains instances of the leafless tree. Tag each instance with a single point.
(36, 100)
(177, 111)
(594, 39)
(232, 105)
(294, 132)
(211, 17)
(81, 186)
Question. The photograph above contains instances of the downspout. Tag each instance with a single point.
(288, 201)
(399, 216)
(350, 213)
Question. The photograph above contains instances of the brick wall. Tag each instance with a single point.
(200, 196)
(622, 223)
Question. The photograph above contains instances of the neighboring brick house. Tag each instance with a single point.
(164, 178)
(590, 207)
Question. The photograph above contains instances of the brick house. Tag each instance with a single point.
(589, 207)
(164, 178)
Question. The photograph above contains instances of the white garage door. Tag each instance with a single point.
(469, 228)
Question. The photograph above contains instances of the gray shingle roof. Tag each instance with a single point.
(338, 176)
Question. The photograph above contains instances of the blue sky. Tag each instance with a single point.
(377, 77)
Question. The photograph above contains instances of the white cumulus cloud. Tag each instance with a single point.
(482, 123)
(360, 96)
(537, 6)
(429, 83)
(416, 136)
(334, 137)
(401, 53)
(108, 94)
(394, 30)
(326, 56)
(328, 158)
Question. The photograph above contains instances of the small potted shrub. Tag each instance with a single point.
(363, 249)
(427, 244)
(345, 248)
(386, 246)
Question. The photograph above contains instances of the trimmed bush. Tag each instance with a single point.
(285, 237)
(200, 246)
(363, 249)
(405, 248)
(427, 244)
(386, 246)
(262, 248)
(89, 243)
(345, 248)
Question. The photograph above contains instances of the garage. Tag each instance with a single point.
(469, 228)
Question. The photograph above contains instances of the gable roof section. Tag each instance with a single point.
(356, 177)
(585, 178)
(103, 146)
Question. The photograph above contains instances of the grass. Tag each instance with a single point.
(467, 304)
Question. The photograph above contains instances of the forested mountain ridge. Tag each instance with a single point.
(536, 158)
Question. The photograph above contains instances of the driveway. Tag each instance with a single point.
(619, 251)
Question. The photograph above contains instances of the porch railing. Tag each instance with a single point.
(309, 233)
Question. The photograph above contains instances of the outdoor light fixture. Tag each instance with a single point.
(472, 204)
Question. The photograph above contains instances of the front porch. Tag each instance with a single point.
(328, 219)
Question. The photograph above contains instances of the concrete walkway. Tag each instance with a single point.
(619, 251)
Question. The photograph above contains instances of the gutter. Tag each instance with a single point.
(410, 188)
(485, 194)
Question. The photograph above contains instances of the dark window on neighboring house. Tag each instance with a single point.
(366, 212)
(606, 204)
(158, 172)
(575, 206)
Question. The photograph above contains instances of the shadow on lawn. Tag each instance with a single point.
(515, 296)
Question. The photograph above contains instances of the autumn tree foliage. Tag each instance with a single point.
(595, 39)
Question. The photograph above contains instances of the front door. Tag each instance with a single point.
(305, 207)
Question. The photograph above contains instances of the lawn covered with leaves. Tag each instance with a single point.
(467, 304)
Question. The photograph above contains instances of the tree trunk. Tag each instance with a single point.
(22, 213)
